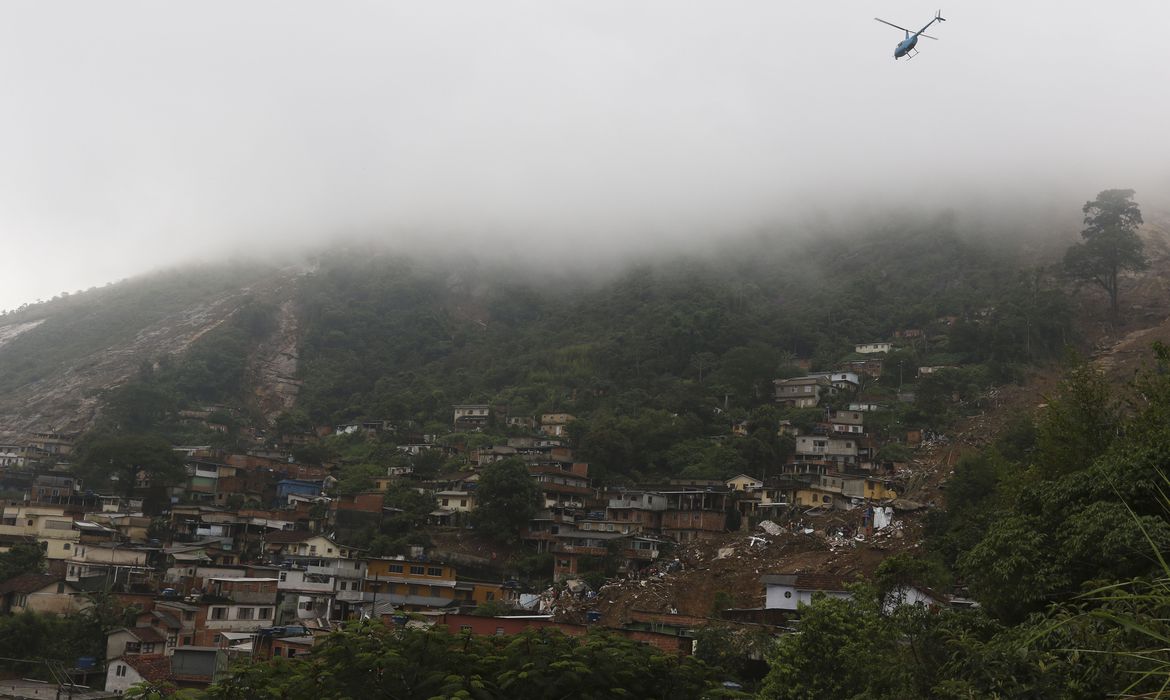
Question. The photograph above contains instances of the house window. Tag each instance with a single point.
(312, 549)
(276, 652)
(133, 647)
(245, 614)
(341, 586)
(417, 570)
(463, 502)
(436, 591)
(66, 546)
(148, 648)
(188, 615)
(187, 641)
(434, 571)
(329, 550)
(445, 502)
(121, 672)
(283, 575)
(396, 568)
(291, 653)
(60, 587)
(219, 613)
(412, 590)
(489, 596)
(264, 614)
(465, 628)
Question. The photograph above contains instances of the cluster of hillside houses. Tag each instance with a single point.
(211, 576)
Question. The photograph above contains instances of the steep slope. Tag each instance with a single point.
(57, 358)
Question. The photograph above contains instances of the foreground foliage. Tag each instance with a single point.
(370, 660)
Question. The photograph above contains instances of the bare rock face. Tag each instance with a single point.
(272, 368)
(57, 359)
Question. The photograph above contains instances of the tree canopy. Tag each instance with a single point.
(369, 660)
(506, 498)
(1111, 245)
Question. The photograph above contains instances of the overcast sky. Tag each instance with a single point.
(140, 134)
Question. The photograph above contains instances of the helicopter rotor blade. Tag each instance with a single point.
(893, 25)
(927, 36)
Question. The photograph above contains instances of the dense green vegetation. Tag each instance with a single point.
(1059, 530)
(393, 338)
(665, 354)
(370, 660)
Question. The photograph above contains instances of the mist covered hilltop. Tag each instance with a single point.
(364, 329)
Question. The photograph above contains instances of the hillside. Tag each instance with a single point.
(59, 357)
(374, 335)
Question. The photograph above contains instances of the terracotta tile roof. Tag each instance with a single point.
(152, 667)
(28, 583)
(821, 582)
(148, 635)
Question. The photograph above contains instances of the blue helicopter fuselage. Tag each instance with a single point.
(905, 46)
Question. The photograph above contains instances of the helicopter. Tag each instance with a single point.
(906, 46)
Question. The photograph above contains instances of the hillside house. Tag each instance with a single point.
(51, 525)
(14, 456)
(302, 544)
(841, 380)
(126, 671)
(522, 422)
(456, 500)
(411, 585)
(802, 392)
(560, 487)
(825, 449)
(554, 424)
(54, 444)
(237, 605)
(571, 544)
(872, 348)
(870, 367)
(847, 422)
(789, 591)
(693, 514)
(41, 593)
(743, 482)
(643, 507)
(471, 416)
(125, 642)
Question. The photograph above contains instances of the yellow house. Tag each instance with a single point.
(421, 585)
(877, 490)
(50, 525)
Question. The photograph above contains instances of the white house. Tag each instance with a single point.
(789, 591)
(871, 348)
(130, 670)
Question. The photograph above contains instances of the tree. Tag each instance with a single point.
(119, 459)
(506, 499)
(1078, 424)
(1111, 245)
(22, 558)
